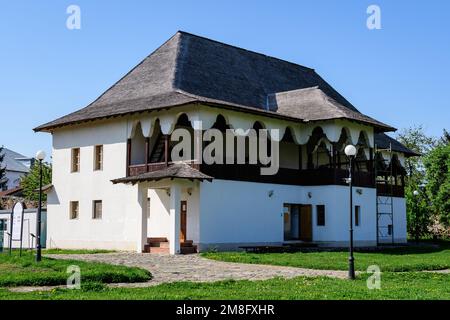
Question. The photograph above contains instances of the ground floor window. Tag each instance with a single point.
(74, 210)
(320, 215)
(97, 209)
(357, 215)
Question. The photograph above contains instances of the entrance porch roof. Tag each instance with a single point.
(172, 171)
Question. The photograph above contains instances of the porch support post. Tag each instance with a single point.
(174, 235)
(141, 217)
(166, 149)
(128, 157)
(147, 147)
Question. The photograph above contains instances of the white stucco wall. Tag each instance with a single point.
(220, 212)
(243, 213)
(116, 229)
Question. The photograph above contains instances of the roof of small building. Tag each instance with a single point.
(12, 163)
(383, 141)
(172, 171)
(191, 69)
(12, 192)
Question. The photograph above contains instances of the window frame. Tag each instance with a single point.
(324, 215)
(94, 211)
(75, 161)
(71, 208)
(98, 157)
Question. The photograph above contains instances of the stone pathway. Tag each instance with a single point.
(168, 268)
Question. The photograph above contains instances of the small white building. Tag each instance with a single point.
(28, 229)
(115, 185)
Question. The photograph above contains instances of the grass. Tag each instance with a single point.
(75, 251)
(412, 285)
(24, 271)
(394, 260)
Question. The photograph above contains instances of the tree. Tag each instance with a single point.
(418, 213)
(3, 179)
(437, 164)
(415, 139)
(30, 182)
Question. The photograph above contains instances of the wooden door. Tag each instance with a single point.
(306, 223)
(183, 222)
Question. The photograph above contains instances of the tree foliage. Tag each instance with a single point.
(415, 139)
(429, 176)
(437, 165)
(30, 182)
(418, 213)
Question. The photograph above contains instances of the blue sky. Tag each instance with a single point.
(399, 74)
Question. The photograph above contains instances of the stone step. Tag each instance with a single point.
(150, 240)
(186, 244)
(149, 249)
(188, 250)
(159, 244)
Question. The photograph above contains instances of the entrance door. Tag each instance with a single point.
(306, 223)
(183, 222)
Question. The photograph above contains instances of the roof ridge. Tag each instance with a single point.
(243, 49)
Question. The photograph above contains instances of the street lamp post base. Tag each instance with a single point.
(351, 268)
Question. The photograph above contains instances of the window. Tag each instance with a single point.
(3, 225)
(74, 210)
(98, 158)
(148, 208)
(76, 160)
(357, 215)
(320, 215)
(97, 209)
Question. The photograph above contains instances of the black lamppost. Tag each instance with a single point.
(350, 152)
(40, 156)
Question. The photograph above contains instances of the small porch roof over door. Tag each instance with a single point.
(172, 171)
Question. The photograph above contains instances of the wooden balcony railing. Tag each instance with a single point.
(252, 173)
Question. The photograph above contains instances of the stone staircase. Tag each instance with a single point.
(161, 245)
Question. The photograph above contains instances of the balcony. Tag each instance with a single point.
(252, 173)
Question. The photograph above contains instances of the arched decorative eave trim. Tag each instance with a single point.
(204, 117)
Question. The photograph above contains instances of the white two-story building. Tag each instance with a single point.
(117, 186)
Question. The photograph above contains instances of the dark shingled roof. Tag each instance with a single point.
(178, 170)
(312, 104)
(188, 68)
(383, 141)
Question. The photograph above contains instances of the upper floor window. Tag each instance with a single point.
(98, 158)
(74, 210)
(75, 160)
(97, 209)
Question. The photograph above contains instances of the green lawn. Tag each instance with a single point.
(419, 285)
(396, 259)
(24, 271)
